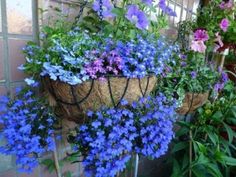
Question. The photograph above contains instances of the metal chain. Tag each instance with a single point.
(81, 10)
(100, 10)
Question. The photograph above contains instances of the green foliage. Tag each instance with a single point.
(200, 147)
(179, 80)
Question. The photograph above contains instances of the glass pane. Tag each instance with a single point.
(19, 16)
(1, 62)
(16, 58)
(0, 18)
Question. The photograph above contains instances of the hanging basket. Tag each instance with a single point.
(75, 101)
(192, 101)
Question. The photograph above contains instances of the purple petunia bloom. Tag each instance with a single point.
(147, 2)
(198, 46)
(224, 24)
(167, 10)
(226, 5)
(137, 17)
(201, 35)
(106, 8)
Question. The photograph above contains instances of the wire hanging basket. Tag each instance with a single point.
(76, 100)
(192, 101)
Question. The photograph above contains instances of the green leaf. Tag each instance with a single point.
(218, 115)
(176, 169)
(67, 174)
(214, 170)
(229, 132)
(198, 172)
(179, 146)
(50, 165)
(229, 160)
(213, 137)
(118, 11)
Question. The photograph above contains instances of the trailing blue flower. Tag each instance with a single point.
(21, 119)
(111, 135)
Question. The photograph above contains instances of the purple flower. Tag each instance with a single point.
(167, 10)
(201, 35)
(106, 8)
(226, 5)
(137, 17)
(193, 74)
(224, 24)
(218, 42)
(198, 46)
(148, 2)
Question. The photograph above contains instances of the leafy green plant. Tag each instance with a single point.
(199, 149)
(188, 73)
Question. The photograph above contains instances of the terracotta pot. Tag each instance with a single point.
(74, 101)
(192, 101)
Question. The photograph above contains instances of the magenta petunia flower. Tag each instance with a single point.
(226, 5)
(201, 35)
(224, 24)
(136, 16)
(198, 46)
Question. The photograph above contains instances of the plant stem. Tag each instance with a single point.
(56, 161)
(190, 153)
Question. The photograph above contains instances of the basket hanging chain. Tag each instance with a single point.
(100, 10)
(81, 10)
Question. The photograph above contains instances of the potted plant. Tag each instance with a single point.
(119, 58)
(207, 140)
(190, 80)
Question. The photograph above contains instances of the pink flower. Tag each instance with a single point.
(218, 42)
(224, 24)
(198, 46)
(226, 5)
(201, 35)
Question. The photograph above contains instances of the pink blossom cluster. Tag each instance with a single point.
(227, 5)
(107, 63)
(200, 36)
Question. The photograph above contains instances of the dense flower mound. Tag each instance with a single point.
(112, 134)
(154, 122)
(85, 57)
(28, 129)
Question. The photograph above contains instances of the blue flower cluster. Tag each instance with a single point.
(154, 123)
(68, 56)
(28, 129)
(145, 55)
(112, 134)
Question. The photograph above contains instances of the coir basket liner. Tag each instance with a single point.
(192, 101)
(74, 101)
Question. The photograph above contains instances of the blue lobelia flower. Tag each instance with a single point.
(31, 82)
(136, 16)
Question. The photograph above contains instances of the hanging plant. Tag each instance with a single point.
(28, 129)
(84, 70)
(111, 135)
